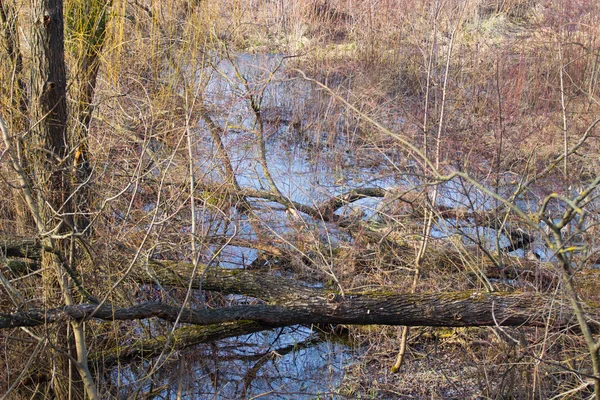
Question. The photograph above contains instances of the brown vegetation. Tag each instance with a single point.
(180, 174)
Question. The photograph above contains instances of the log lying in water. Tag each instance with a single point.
(454, 309)
(493, 219)
(284, 302)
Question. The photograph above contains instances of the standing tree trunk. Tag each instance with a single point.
(46, 153)
(48, 158)
(48, 148)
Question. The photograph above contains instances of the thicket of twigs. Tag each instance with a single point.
(479, 116)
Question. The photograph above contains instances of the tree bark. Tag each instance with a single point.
(20, 247)
(48, 148)
(454, 309)
(287, 302)
(47, 156)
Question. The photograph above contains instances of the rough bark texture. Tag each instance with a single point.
(321, 307)
(48, 110)
(287, 302)
(20, 247)
(47, 159)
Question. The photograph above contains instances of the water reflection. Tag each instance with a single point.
(293, 362)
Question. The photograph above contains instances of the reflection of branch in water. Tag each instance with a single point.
(222, 155)
(272, 355)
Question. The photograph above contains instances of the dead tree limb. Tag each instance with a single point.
(457, 309)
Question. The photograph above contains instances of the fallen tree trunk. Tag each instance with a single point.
(289, 302)
(285, 302)
(28, 252)
(20, 247)
(459, 309)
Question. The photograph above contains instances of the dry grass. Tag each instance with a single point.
(503, 121)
